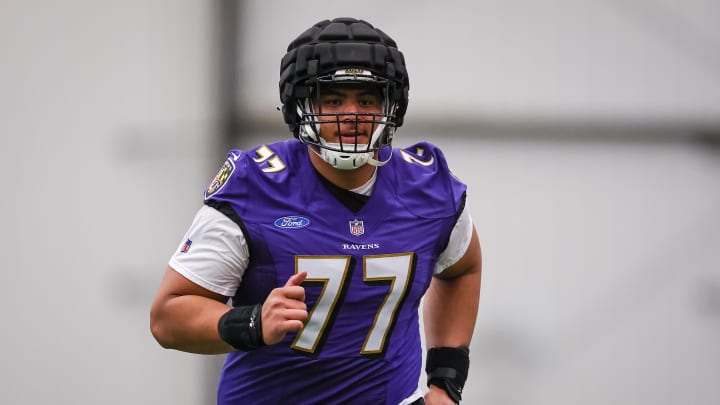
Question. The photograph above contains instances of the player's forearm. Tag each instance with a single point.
(189, 323)
(450, 309)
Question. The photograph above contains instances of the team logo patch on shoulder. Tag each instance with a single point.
(221, 178)
(292, 222)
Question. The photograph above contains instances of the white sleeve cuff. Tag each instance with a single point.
(458, 243)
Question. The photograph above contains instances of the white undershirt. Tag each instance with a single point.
(366, 188)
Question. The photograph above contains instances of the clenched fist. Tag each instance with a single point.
(284, 310)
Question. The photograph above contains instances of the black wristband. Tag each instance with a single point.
(241, 328)
(447, 368)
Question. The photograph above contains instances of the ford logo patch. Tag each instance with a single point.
(292, 222)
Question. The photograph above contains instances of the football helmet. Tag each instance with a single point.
(344, 52)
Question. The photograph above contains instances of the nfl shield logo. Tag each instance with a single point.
(356, 227)
(186, 246)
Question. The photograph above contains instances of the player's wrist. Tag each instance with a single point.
(437, 395)
(447, 368)
(241, 327)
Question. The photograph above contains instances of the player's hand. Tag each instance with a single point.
(284, 310)
(437, 396)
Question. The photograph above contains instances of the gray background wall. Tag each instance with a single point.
(587, 131)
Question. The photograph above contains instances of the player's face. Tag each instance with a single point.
(349, 114)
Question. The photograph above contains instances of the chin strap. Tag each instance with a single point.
(345, 160)
(348, 160)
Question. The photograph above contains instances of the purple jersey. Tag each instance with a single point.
(367, 272)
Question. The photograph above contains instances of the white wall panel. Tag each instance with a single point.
(548, 60)
(105, 117)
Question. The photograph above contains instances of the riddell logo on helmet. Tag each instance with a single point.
(356, 71)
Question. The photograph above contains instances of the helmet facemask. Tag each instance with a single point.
(348, 151)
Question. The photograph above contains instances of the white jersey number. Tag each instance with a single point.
(332, 272)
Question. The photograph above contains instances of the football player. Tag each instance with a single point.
(309, 259)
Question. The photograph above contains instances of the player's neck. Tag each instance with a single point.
(347, 179)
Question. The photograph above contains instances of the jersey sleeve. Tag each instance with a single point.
(213, 253)
(427, 186)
